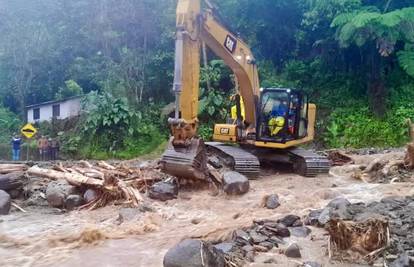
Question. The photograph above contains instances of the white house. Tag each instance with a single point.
(61, 109)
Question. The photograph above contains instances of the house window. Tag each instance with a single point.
(56, 111)
(36, 114)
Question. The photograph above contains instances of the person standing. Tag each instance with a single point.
(16, 143)
(54, 148)
(42, 145)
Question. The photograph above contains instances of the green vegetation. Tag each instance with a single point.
(355, 59)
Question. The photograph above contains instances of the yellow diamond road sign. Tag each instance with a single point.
(28, 130)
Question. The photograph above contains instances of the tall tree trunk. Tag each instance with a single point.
(144, 63)
(376, 86)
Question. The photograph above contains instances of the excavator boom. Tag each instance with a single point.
(186, 154)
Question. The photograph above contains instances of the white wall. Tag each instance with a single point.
(68, 108)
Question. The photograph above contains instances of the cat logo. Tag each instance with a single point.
(224, 131)
(230, 44)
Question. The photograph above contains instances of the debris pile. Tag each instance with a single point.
(245, 243)
(82, 184)
(383, 168)
(351, 240)
(384, 228)
(99, 184)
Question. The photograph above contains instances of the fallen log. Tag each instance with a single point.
(9, 168)
(392, 166)
(72, 178)
(105, 165)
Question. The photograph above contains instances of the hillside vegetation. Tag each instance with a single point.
(354, 58)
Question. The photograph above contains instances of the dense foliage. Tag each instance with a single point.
(355, 59)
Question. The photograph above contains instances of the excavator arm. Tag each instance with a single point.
(193, 28)
(186, 155)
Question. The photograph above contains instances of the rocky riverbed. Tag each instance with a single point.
(141, 236)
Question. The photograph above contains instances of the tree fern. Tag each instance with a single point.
(364, 18)
(342, 19)
(346, 34)
(391, 19)
(406, 60)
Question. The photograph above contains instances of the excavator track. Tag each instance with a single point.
(235, 158)
(308, 163)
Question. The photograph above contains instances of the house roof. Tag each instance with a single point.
(53, 102)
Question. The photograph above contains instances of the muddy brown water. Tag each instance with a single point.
(46, 237)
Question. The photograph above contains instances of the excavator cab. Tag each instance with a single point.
(282, 115)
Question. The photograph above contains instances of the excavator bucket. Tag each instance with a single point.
(188, 161)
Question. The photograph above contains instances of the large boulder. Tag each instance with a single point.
(58, 191)
(11, 181)
(235, 183)
(193, 253)
(164, 190)
(5, 203)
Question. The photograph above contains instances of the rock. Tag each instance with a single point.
(297, 223)
(5, 203)
(300, 231)
(311, 264)
(312, 218)
(90, 195)
(324, 216)
(248, 248)
(293, 251)
(11, 181)
(241, 235)
(276, 241)
(164, 191)
(402, 261)
(57, 191)
(15, 193)
(73, 201)
(272, 201)
(279, 230)
(289, 220)
(225, 247)
(193, 253)
(235, 183)
(257, 237)
(339, 203)
(215, 162)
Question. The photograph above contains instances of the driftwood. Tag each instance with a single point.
(409, 156)
(338, 158)
(105, 165)
(9, 168)
(357, 241)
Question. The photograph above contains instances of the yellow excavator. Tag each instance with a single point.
(269, 125)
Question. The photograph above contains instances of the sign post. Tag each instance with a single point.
(28, 131)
